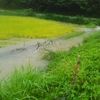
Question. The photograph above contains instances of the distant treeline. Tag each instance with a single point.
(91, 7)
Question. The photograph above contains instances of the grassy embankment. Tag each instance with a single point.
(73, 34)
(56, 81)
(13, 28)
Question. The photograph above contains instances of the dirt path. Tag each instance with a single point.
(32, 51)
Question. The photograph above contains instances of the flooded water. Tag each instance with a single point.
(32, 51)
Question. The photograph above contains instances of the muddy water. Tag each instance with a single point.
(29, 52)
(20, 54)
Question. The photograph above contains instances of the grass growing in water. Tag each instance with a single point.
(11, 41)
(55, 81)
(73, 34)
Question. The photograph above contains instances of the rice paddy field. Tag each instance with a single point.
(30, 27)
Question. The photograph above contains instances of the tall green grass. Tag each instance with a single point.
(55, 81)
(72, 34)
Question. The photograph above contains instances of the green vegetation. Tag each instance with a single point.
(88, 21)
(73, 34)
(55, 82)
(30, 27)
(17, 12)
(73, 19)
(64, 78)
(81, 7)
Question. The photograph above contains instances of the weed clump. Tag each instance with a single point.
(73, 34)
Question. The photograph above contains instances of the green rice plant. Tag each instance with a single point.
(72, 34)
(30, 27)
